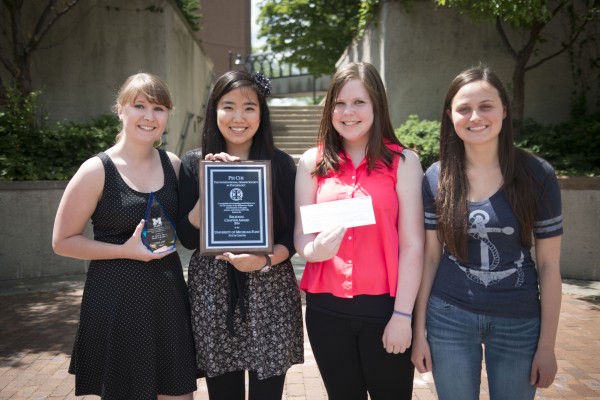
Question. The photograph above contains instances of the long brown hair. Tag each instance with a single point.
(151, 86)
(381, 132)
(453, 186)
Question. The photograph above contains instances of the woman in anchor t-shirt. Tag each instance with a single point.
(484, 200)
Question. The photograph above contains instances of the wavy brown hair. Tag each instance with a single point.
(381, 132)
(453, 186)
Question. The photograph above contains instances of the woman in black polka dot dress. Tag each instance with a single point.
(134, 339)
(246, 314)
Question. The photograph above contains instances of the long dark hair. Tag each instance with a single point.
(381, 131)
(262, 147)
(453, 186)
(213, 141)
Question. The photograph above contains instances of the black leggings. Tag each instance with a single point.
(353, 362)
(231, 386)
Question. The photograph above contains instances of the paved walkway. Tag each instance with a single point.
(38, 320)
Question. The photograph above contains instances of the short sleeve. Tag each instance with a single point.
(548, 217)
(429, 188)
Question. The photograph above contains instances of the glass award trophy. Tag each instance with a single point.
(159, 233)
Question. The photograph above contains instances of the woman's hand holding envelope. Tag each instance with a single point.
(325, 245)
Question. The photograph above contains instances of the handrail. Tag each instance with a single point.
(272, 65)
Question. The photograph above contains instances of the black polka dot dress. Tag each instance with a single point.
(134, 339)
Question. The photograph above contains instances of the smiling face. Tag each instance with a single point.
(143, 120)
(352, 115)
(477, 113)
(238, 119)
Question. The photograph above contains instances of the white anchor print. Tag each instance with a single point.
(487, 275)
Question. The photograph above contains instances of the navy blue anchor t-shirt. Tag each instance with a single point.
(500, 278)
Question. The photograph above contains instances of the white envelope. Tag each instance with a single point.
(357, 211)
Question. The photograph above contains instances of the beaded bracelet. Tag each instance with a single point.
(402, 314)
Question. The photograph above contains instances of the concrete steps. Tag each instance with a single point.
(295, 128)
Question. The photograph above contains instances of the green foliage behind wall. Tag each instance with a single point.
(573, 147)
(32, 150)
(422, 136)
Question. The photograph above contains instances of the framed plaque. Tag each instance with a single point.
(235, 204)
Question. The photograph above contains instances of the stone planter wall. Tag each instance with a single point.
(28, 209)
(580, 250)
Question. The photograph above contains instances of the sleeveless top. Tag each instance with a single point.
(134, 339)
(367, 260)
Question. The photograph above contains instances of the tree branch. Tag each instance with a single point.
(536, 28)
(40, 23)
(8, 65)
(558, 7)
(42, 27)
(504, 38)
(17, 35)
(3, 94)
(4, 18)
(565, 46)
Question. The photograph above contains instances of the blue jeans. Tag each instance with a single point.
(456, 337)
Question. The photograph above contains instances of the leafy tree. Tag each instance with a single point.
(22, 40)
(312, 33)
(191, 11)
(530, 17)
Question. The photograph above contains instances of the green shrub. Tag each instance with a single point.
(56, 153)
(20, 131)
(32, 150)
(69, 144)
(573, 147)
(422, 137)
(191, 11)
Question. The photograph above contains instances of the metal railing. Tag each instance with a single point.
(273, 65)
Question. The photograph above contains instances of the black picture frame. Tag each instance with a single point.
(235, 207)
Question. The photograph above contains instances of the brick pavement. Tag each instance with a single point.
(37, 330)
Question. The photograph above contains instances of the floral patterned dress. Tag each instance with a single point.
(243, 321)
(270, 338)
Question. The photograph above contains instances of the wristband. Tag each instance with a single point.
(402, 314)
(267, 266)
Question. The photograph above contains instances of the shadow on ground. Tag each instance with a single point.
(588, 291)
(594, 300)
(44, 322)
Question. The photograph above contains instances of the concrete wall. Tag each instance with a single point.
(27, 211)
(92, 49)
(580, 252)
(420, 50)
(225, 28)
